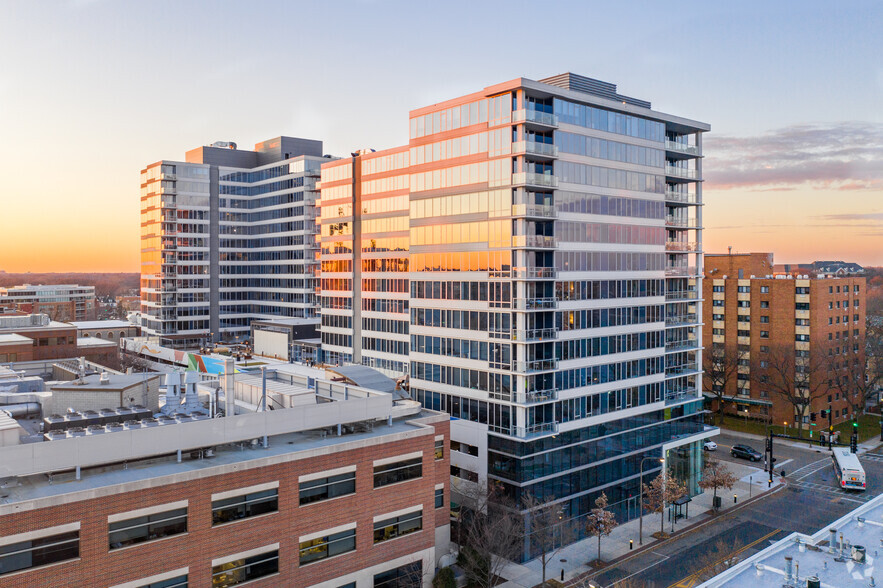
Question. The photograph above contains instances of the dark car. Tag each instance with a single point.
(745, 452)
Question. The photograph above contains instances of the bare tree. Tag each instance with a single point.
(600, 521)
(490, 533)
(662, 491)
(798, 378)
(548, 533)
(716, 475)
(721, 370)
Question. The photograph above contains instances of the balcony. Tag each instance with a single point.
(168, 202)
(681, 223)
(536, 365)
(535, 180)
(546, 150)
(687, 369)
(532, 396)
(536, 303)
(685, 246)
(534, 242)
(681, 172)
(535, 335)
(682, 271)
(535, 117)
(680, 393)
(681, 320)
(534, 211)
(681, 345)
(675, 197)
(532, 431)
(534, 273)
(681, 295)
(681, 148)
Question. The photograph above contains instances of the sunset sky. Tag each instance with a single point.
(93, 90)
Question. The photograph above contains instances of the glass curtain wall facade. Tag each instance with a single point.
(229, 237)
(554, 242)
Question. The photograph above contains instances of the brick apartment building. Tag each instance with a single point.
(351, 490)
(768, 332)
(62, 302)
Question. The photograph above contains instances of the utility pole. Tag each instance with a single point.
(830, 431)
(770, 459)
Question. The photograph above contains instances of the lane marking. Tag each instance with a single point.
(664, 558)
(691, 580)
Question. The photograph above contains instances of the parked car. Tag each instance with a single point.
(710, 446)
(745, 452)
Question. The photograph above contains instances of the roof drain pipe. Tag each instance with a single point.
(229, 384)
(789, 568)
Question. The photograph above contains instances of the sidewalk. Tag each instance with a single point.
(574, 559)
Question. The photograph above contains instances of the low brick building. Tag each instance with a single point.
(205, 503)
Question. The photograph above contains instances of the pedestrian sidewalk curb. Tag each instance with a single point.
(797, 444)
(676, 535)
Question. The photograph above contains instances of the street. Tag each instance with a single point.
(809, 501)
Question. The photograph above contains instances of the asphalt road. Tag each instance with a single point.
(810, 501)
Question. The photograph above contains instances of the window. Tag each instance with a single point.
(801, 290)
(464, 448)
(147, 528)
(718, 331)
(33, 553)
(407, 576)
(764, 334)
(176, 582)
(764, 303)
(464, 474)
(855, 318)
(830, 306)
(327, 546)
(830, 289)
(439, 449)
(398, 471)
(397, 526)
(439, 497)
(838, 289)
(765, 319)
(325, 488)
(764, 349)
(244, 506)
(744, 289)
(717, 302)
(717, 288)
(717, 317)
(764, 289)
(245, 569)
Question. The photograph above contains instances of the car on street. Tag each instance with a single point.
(746, 452)
(710, 446)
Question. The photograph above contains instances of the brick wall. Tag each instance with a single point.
(98, 566)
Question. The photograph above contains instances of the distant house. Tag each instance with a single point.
(837, 268)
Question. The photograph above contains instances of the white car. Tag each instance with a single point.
(710, 446)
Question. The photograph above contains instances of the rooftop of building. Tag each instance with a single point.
(103, 324)
(113, 382)
(30, 322)
(93, 342)
(227, 153)
(13, 339)
(813, 555)
(337, 418)
(46, 287)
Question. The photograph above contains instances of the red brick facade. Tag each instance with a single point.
(98, 566)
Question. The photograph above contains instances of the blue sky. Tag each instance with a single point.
(93, 90)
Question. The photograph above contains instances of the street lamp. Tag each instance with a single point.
(641, 491)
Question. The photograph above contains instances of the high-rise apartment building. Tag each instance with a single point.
(531, 263)
(779, 347)
(62, 302)
(228, 236)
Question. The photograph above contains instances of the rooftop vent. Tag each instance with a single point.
(224, 145)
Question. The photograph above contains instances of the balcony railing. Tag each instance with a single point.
(534, 148)
(534, 273)
(682, 295)
(684, 223)
(532, 396)
(683, 319)
(681, 172)
(536, 303)
(683, 270)
(682, 147)
(534, 211)
(681, 246)
(535, 116)
(534, 334)
(680, 393)
(534, 241)
(541, 430)
(534, 179)
(536, 365)
(682, 345)
(674, 196)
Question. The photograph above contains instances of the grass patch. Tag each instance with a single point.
(868, 427)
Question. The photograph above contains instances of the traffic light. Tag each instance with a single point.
(823, 413)
(812, 416)
(853, 443)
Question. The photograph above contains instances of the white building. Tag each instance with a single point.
(228, 236)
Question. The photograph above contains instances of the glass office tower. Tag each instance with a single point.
(554, 255)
